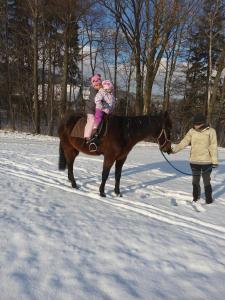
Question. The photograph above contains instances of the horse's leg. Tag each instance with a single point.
(71, 154)
(105, 173)
(118, 170)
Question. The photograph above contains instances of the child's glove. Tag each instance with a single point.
(214, 166)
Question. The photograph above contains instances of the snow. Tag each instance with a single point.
(61, 243)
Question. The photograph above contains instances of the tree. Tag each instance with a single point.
(6, 14)
(35, 9)
(164, 21)
(129, 15)
(206, 43)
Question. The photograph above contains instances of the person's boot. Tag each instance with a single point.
(208, 194)
(196, 192)
(87, 141)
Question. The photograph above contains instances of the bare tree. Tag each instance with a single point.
(68, 13)
(215, 84)
(128, 14)
(7, 60)
(35, 8)
(92, 25)
(212, 35)
(172, 52)
(163, 19)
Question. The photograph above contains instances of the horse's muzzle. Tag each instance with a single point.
(166, 148)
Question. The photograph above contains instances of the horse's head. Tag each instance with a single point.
(163, 132)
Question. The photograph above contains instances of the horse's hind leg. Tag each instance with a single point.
(71, 154)
(118, 171)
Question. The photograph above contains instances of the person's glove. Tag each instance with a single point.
(214, 166)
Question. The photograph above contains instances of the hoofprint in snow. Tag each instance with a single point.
(61, 243)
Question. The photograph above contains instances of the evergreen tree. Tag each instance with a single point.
(206, 42)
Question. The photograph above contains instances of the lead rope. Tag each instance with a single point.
(189, 174)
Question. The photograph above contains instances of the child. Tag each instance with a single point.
(105, 102)
(203, 156)
(96, 83)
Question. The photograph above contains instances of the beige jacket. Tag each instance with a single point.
(203, 146)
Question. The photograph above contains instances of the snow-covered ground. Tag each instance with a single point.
(58, 243)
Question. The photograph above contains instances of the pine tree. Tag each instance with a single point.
(205, 45)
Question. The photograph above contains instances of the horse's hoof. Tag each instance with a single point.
(103, 195)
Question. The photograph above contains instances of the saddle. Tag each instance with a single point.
(78, 129)
(78, 132)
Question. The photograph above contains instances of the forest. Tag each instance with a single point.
(159, 54)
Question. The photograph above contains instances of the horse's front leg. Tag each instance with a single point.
(118, 171)
(105, 174)
(70, 160)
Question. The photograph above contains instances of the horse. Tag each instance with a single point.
(122, 133)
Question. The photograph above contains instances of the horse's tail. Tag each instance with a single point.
(62, 158)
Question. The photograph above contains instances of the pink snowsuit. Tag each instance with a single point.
(105, 102)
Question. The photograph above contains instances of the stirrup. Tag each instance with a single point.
(92, 147)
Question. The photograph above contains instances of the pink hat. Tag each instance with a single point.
(107, 85)
(96, 80)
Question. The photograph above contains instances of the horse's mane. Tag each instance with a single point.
(131, 125)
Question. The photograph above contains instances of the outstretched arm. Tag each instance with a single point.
(185, 142)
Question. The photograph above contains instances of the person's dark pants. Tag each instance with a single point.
(205, 172)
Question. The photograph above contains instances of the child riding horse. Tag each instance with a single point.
(122, 134)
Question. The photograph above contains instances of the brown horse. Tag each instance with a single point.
(122, 134)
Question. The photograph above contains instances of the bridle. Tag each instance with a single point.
(163, 132)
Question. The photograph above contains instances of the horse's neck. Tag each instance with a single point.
(139, 128)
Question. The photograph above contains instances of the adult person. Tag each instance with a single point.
(203, 155)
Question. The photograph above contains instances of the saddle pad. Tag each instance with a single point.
(78, 129)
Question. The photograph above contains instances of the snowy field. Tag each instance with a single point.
(57, 243)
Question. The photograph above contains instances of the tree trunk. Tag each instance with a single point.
(208, 106)
(63, 106)
(115, 59)
(221, 64)
(8, 76)
(148, 88)
(35, 70)
(139, 97)
(50, 94)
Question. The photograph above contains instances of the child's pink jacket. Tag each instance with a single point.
(105, 101)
